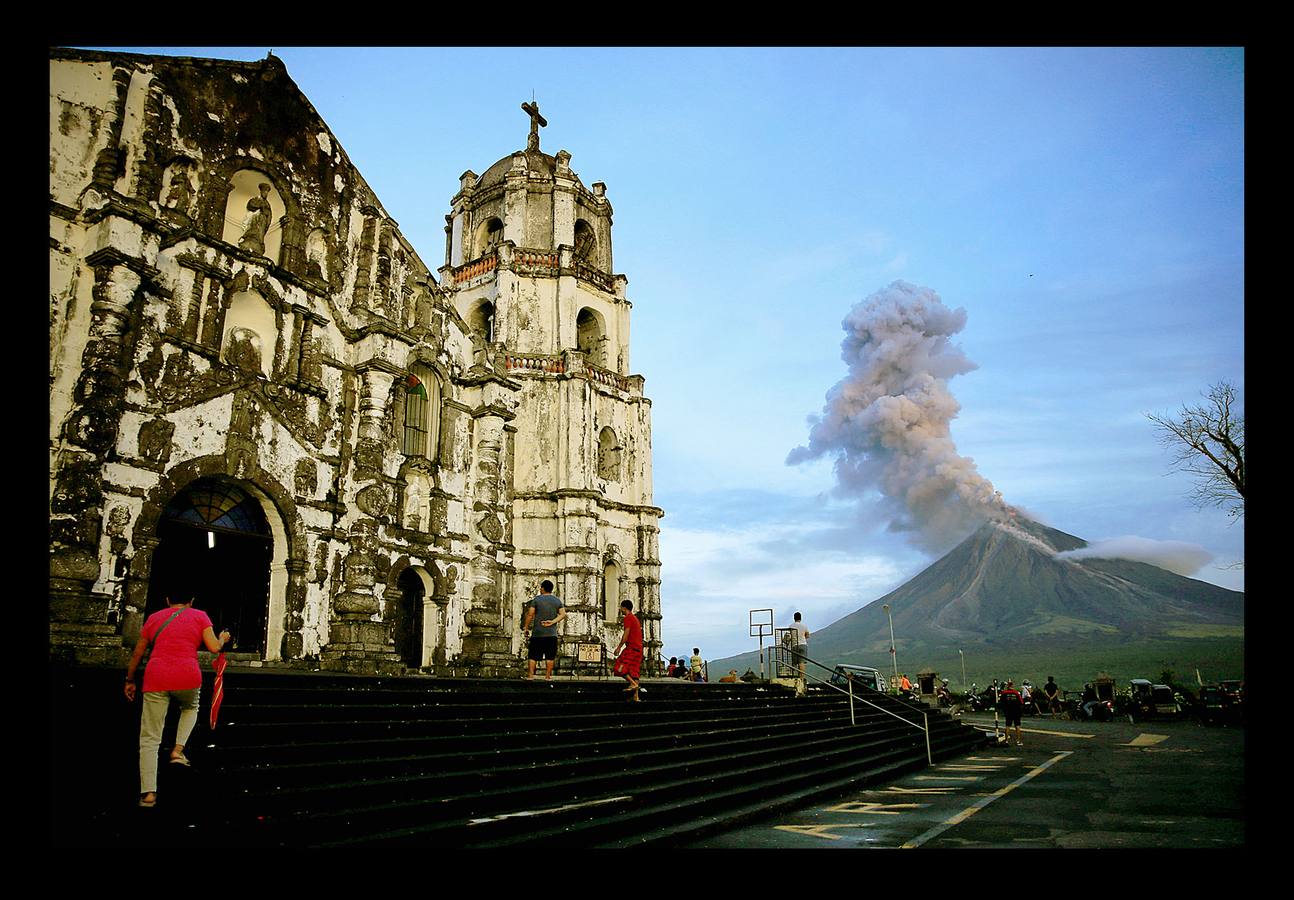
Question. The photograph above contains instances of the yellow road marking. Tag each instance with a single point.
(1068, 734)
(948, 777)
(953, 768)
(970, 811)
(1145, 740)
(822, 831)
(883, 809)
(903, 790)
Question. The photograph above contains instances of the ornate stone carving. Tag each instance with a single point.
(241, 444)
(306, 478)
(491, 528)
(373, 500)
(155, 440)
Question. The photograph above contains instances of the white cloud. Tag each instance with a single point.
(712, 578)
(1176, 556)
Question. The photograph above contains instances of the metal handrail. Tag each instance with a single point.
(850, 691)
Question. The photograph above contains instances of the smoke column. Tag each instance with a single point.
(886, 422)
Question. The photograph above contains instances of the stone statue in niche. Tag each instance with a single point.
(245, 351)
(180, 193)
(257, 222)
(413, 517)
(317, 255)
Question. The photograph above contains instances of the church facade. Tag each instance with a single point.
(262, 397)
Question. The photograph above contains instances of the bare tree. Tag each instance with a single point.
(1208, 441)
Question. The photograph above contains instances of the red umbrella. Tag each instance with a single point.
(219, 693)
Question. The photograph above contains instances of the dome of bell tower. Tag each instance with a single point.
(534, 201)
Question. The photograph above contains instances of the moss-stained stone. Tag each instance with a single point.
(191, 341)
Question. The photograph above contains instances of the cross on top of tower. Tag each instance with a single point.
(536, 120)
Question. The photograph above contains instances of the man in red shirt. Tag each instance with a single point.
(1012, 706)
(629, 652)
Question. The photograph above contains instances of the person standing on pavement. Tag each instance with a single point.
(696, 663)
(1012, 706)
(548, 609)
(629, 652)
(1051, 691)
(800, 652)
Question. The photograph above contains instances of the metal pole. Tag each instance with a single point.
(893, 656)
(929, 757)
(850, 682)
(963, 656)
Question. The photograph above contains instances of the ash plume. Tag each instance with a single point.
(887, 421)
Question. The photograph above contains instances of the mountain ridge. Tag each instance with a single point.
(1004, 587)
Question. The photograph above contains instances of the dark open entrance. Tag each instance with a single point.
(406, 618)
(215, 546)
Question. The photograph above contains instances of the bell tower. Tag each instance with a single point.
(528, 265)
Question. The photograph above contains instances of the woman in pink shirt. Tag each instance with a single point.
(172, 672)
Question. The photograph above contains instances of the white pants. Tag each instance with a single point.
(156, 704)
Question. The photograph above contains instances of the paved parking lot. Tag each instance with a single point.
(1071, 785)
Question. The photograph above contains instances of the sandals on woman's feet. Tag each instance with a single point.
(180, 760)
(146, 803)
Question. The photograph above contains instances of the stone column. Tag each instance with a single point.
(292, 645)
(375, 389)
(77, 614)
(648, 599)
(486, 643)
(357, 643)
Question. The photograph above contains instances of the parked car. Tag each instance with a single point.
(1234, 689)
(1150, 701)
(864, 675)
(1216, 704)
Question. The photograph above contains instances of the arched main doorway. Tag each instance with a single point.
(215, 545)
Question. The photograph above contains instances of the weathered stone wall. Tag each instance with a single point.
(229, 300)
(185, 346)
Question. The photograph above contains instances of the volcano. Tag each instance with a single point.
(1004, 587)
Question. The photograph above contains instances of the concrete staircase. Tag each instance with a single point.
(329, 760)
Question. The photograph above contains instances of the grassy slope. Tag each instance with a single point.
(1216, 658)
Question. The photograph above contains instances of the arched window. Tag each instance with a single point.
(421, 414)
(489, 236)
(481, 321)
(608, 455)
(611, 591)
(590, 336)
(586, 243)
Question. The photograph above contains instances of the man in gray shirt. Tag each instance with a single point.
(548, 609)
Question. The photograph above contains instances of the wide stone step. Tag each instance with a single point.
(649, 799)
(447, 774)
(565, 793)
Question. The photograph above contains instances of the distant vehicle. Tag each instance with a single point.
(1216, 704)
(864, 675)
(1151, 701)
(1085, 707)
(1234, 689)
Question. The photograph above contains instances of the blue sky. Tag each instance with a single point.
(1085, 207)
